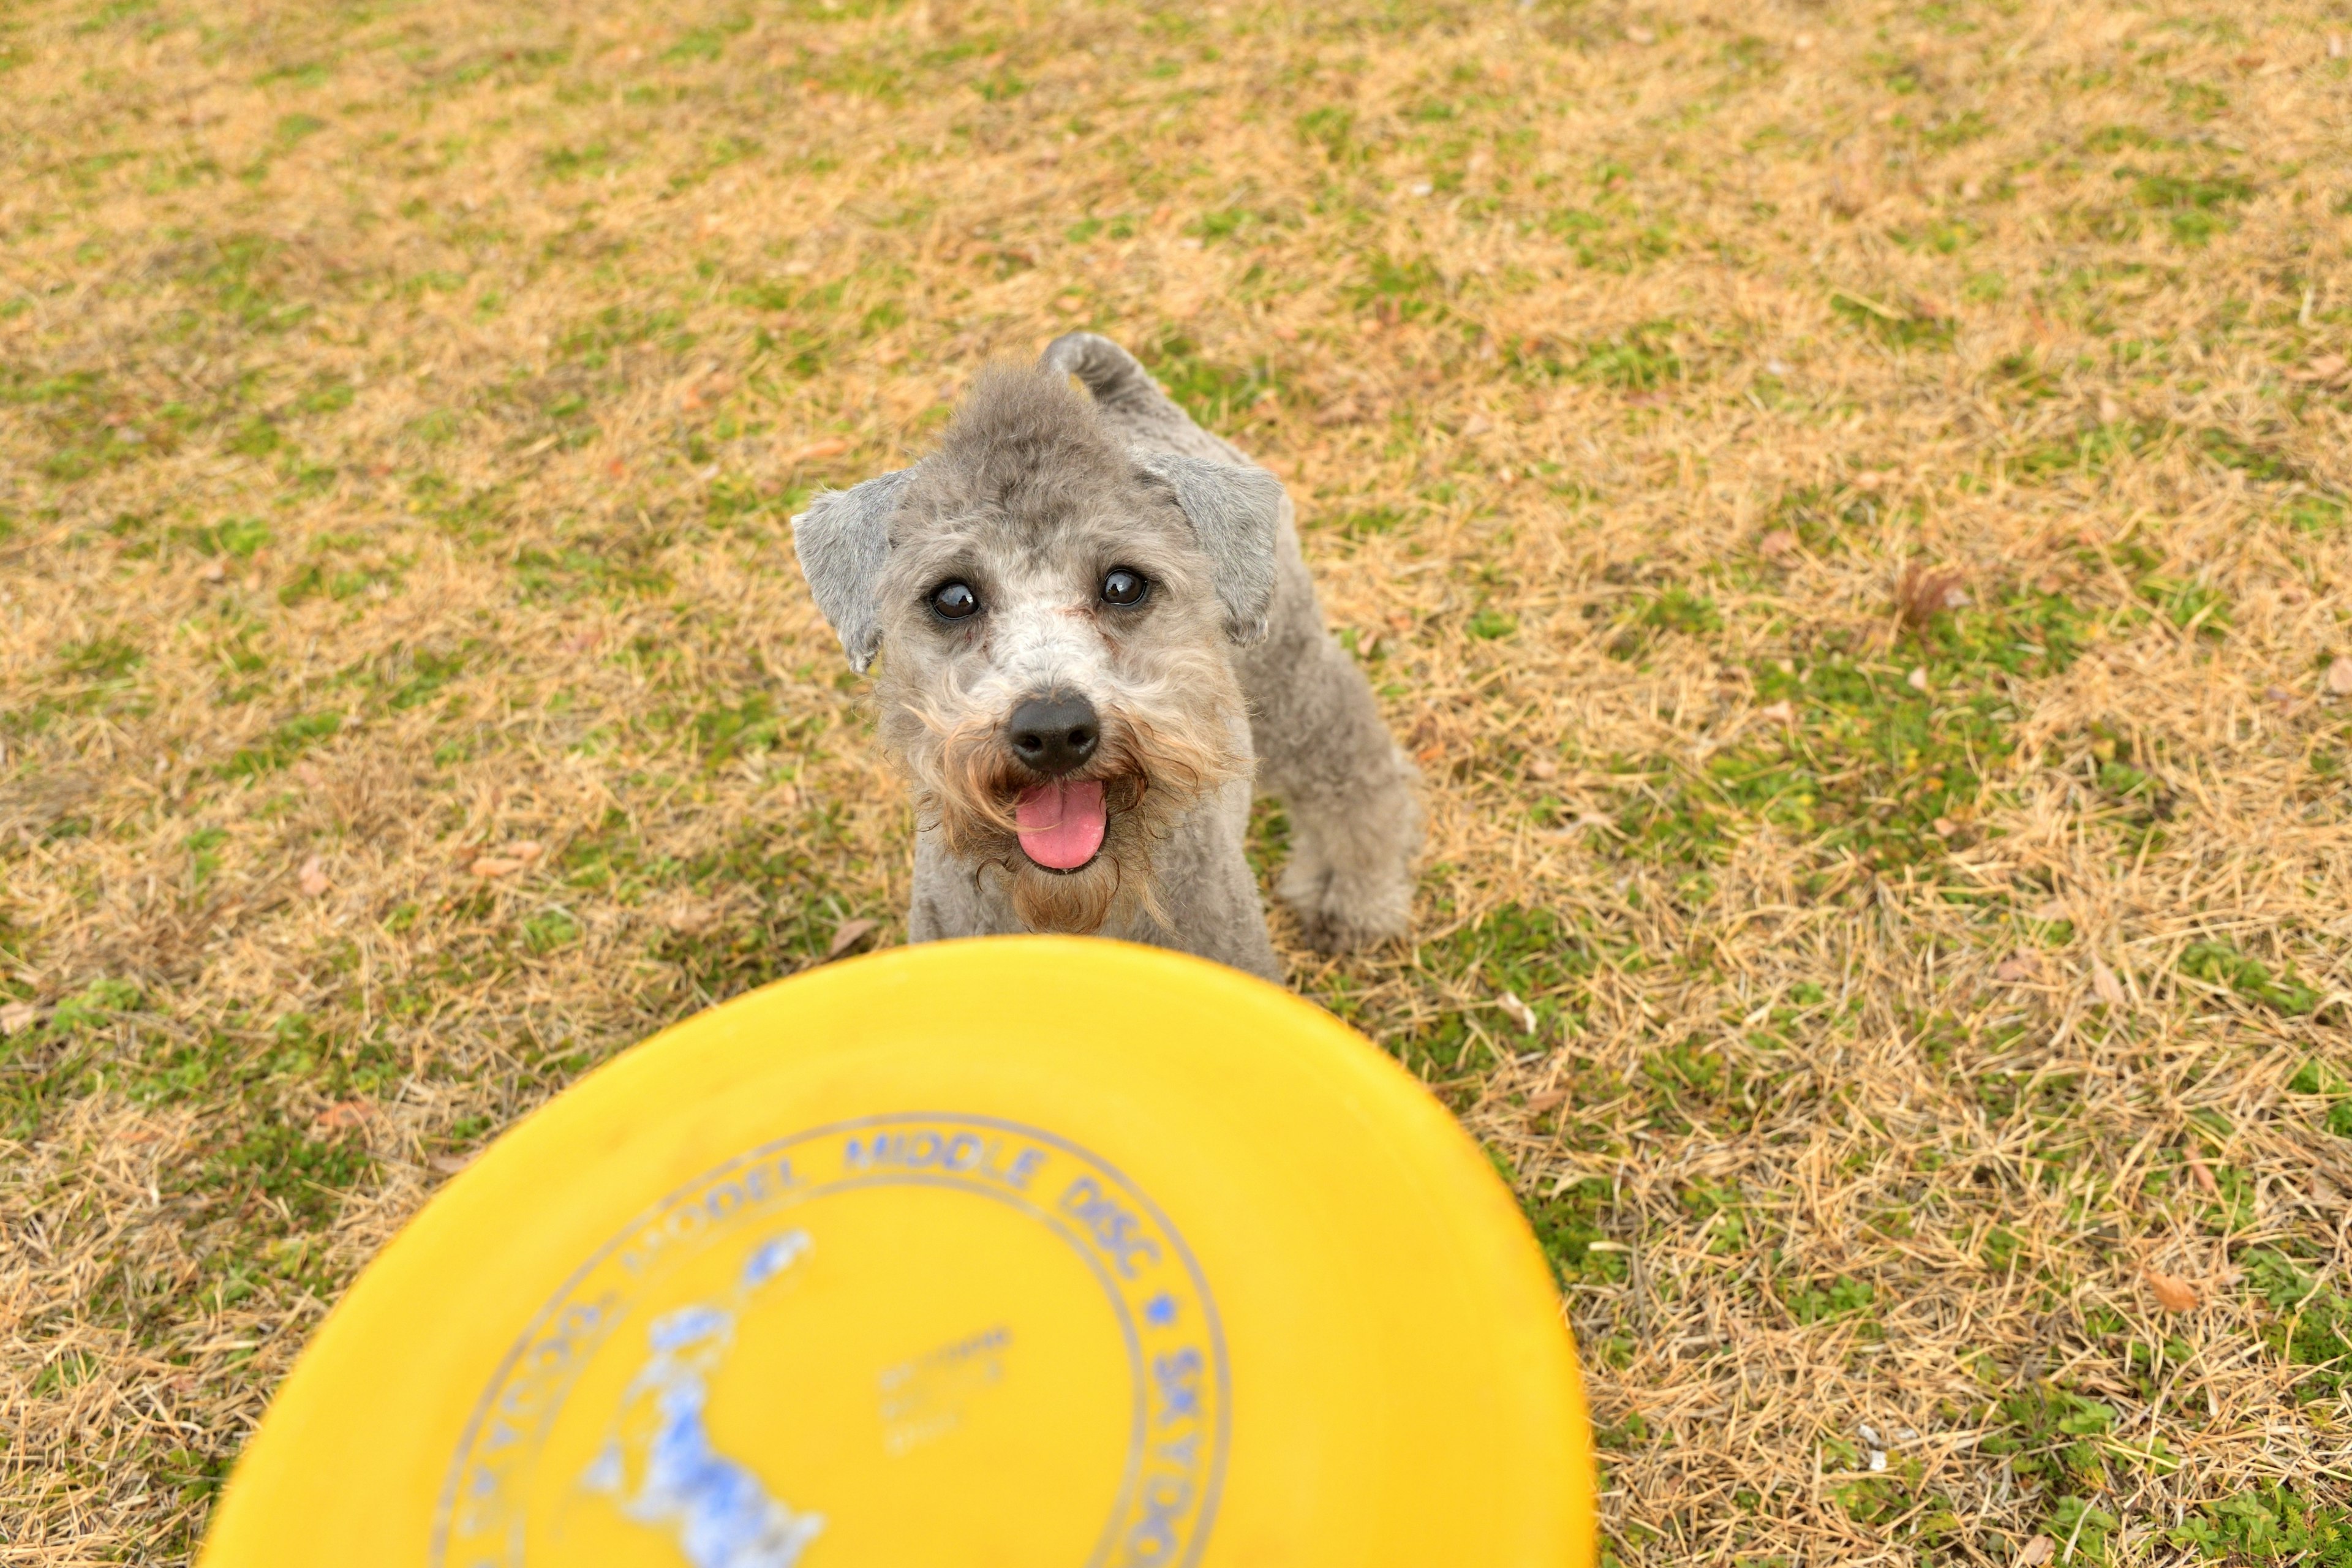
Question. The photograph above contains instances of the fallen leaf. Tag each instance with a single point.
(1642, 35)
(342, 1114)
(832, 446)
(1943, 827)
(2016, 968)
(2049, 909)
(848, 934)
(495, 866)
(2204, 1175)
(1917, 679)
(2110, 411)
(450, 1164)
(2109, 989)
(2173, 1293)
(312, 877)
(2321, 368)
(2034, 1553)
(1779, 542)
(1547, 1099)
(2339, 676)
(1543, 768)
(1778, 712)
(529, 851)
(1923, 592)
(1520, 1011)
(211, 572)
(18, 1016)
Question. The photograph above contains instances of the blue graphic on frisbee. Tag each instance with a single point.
(659, 1462)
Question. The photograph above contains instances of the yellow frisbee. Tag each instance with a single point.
(1022, 1252)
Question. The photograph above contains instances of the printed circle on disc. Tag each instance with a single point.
(1029, 1251)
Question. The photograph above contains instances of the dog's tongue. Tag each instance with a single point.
(1061, 823)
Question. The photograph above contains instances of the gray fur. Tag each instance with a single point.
(1236, 512)
(1223, 678)
(842, 541)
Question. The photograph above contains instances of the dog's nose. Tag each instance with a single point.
(1054, 733)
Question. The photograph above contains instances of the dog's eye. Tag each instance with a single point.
(953, 601)
(1121, 587)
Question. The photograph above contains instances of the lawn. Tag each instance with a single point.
(1849, 505)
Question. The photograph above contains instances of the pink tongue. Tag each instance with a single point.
(1061, 823)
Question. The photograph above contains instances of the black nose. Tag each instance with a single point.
(1054, 733)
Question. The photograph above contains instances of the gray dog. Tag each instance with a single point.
(1098, 629)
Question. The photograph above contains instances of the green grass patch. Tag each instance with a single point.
(280, 746)
(1897, 326)
(1217, 393)
(2219, 964)
(1567, 1224)
(1869, 764)
(2270, 1523)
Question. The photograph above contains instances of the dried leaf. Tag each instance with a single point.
(2339, 675)
(1917, 679)
(342, 1114)
(1779, 542)
(529, 851)
(2035, 1553)
(2204, 1175)
(1923, 592)
(832, 446)
(312, 877)
(1778, 712)
(2104, 985)
(1547, 1099)
(18, 1016)
(2017, 967)
(1543, 768)
(450, 1164)
(2173, 1293)
(1520, 1011)
(495, 866)
(848, 934)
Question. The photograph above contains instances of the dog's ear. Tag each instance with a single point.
(843, 540)
(1235, 511)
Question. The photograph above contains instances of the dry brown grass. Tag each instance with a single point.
(401, 407)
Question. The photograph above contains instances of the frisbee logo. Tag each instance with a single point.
(664, 1469)
(591, 1421)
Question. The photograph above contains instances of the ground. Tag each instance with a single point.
(1846, 504)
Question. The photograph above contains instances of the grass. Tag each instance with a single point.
(1846, 505)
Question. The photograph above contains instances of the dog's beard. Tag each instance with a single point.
(1153, 769)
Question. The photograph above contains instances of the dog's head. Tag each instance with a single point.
(1054, 612)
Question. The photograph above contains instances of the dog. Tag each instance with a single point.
(1097, 637)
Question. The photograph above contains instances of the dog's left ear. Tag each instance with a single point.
(843, 540)
(1235, 511)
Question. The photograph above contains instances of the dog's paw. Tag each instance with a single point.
(1339, 913)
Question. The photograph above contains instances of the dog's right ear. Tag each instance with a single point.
(843, 540)
(1235, 511)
